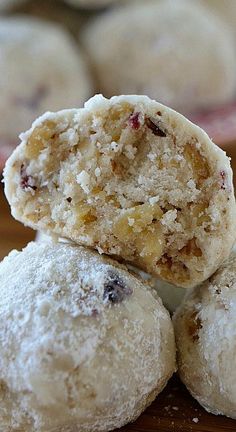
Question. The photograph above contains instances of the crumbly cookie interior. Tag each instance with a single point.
(126, 182)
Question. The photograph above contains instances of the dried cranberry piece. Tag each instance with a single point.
(134, 121)
(26, 181)
(154, 126)
(115, 289)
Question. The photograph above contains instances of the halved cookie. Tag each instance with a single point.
(131, 178)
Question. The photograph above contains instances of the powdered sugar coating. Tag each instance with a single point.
(174, 51)
(72, 352)
(205, 334)
(41, 69)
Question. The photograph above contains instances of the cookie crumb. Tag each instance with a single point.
(83, 179)
(131, 221)
(97, 172)
(154, 200)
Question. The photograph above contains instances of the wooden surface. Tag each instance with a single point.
(174, 410)
(13, 235)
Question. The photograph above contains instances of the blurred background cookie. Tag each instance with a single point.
(6, 5)
(87, 4)
(175, 52)
(225, 9)
(41, 69)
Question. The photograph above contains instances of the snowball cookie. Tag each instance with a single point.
(176, 52)
(90, 3)
(205, 327)
(84, 344)
(131, 178)
(226, 9)
(41, 68)
(8, 4)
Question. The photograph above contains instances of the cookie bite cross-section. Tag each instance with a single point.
(132, 179)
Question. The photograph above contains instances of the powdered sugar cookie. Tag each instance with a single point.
(84, 344)
(225, 9)
(177, 52)
(206, 339)
(94, 4)
(131, 178)
(41, 68)
(8, 4)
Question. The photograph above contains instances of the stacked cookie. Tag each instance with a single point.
(84, 344)
(160, 51)
(205, 329)
(41, 68)
(87, 344)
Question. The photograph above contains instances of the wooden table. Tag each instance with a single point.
(13, 235)
(174, 410)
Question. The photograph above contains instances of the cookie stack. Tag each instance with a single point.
(86, 344)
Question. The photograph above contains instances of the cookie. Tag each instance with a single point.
(132, 179)
(160, 51)
(41, 69)
(90, 4)
(225, 9)
(84, 344)
(8, 4)
(206, 339)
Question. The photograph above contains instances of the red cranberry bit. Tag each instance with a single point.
(27, 181)
(134, 121)
(154, 127)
